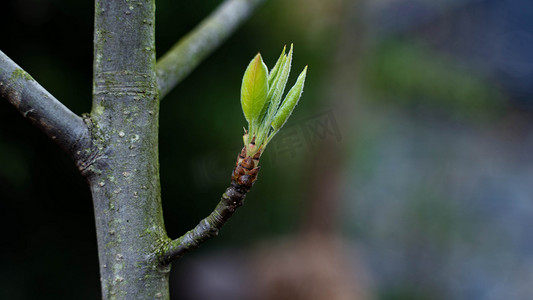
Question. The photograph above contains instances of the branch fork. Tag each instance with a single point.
(125, 190)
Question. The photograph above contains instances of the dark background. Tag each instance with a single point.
(410, 149)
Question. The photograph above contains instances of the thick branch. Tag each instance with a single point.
(209, 227)
(187, 53)
(125, 181)
(41, 108)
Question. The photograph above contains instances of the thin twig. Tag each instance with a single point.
(192, 49)
(208, 227)
(67, 129)
(243, 178)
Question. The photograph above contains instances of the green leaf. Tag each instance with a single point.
(276, 91)
(273, 76)
(274, 96)
(254, 89)
(274, 72)
(291, 100)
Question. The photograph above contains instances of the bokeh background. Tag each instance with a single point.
(404, 173)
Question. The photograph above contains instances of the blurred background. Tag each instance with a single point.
(404, 173)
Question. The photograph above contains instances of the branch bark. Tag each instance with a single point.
(67, 129)
(192, 49)
(125, 179)
(209, 227)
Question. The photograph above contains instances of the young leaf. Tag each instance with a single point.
(274, 72)
(274, 96)
(290, 102)
(254, 89)
(276, 90)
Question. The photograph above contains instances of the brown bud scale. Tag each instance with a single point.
(245, 172)
(248, 163)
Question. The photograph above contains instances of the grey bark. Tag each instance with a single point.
(125, 180)
(42, 109)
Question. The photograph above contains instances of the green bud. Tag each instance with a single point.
(261, 95)
(289, 102)
(254, 89)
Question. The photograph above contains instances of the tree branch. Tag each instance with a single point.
(207, 228)
(243, 178)
(67, 129)
(187, 53)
